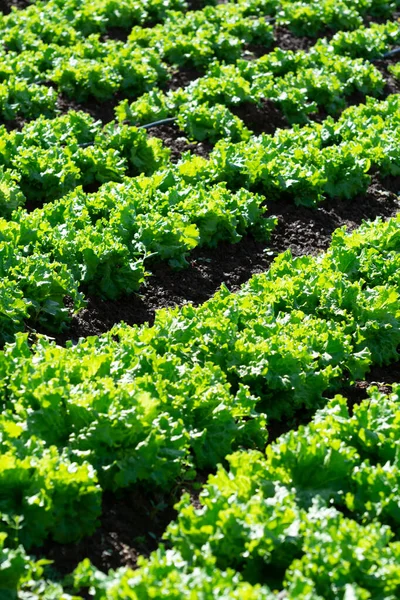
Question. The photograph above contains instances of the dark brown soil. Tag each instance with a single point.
(284, 39)
(198, 4)
(253, 51)
(174, 139)
(392, 85)
(380, 377)
(116, 33)
(368, 19)
(287, 40)
(102, 111)
(308, 230)
(16, 123)
(261, 118)
(182, 77)
(132, 524)
(301, 230)
(6, 5)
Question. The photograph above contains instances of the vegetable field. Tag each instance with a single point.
(200, 299)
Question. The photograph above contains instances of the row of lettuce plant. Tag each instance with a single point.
(299, 83)
(171, 38)
(331, 159)
(32, 80)
(49, 157)
(310, 18)
(151, 405)
(66, 22)
(100, 242)
(92, 67)
(316, 518)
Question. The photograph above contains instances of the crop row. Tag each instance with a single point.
(297, 82)
(100, 242)
(318, 517)
(306, 16)
(32, 78)
(50, 157)
(153, 404)
(66, 22)
(166, 38)
(276, 519)
(307, 164)
(92, 67)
